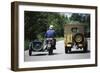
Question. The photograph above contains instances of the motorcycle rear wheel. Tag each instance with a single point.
(50, 51)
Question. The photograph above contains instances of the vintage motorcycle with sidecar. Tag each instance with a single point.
(42, 46)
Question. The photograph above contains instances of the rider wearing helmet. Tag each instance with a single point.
(51, 34)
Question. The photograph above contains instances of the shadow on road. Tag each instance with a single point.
(44, 54)
(74, 52)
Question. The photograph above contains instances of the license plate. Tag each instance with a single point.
(69, 45)
(80, 45)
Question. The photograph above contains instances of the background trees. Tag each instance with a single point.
(37, 23)
(82, 18)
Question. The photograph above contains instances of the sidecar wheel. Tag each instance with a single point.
(30, 52)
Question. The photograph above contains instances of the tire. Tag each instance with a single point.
(77, 36)
(30, 52)
(67, 50)
(30, 49)
(85, 49)
(50, 51)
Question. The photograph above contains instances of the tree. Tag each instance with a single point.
(36, 23)
(82, 18)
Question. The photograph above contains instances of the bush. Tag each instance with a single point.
(26, 44)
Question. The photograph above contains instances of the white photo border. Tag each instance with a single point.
(34, 64)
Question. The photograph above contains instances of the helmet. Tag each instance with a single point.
(51, 27)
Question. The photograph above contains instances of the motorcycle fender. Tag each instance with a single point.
(49, 45)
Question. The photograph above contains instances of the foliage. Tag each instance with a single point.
(37, 23)
(26, 44)
(82, 18)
